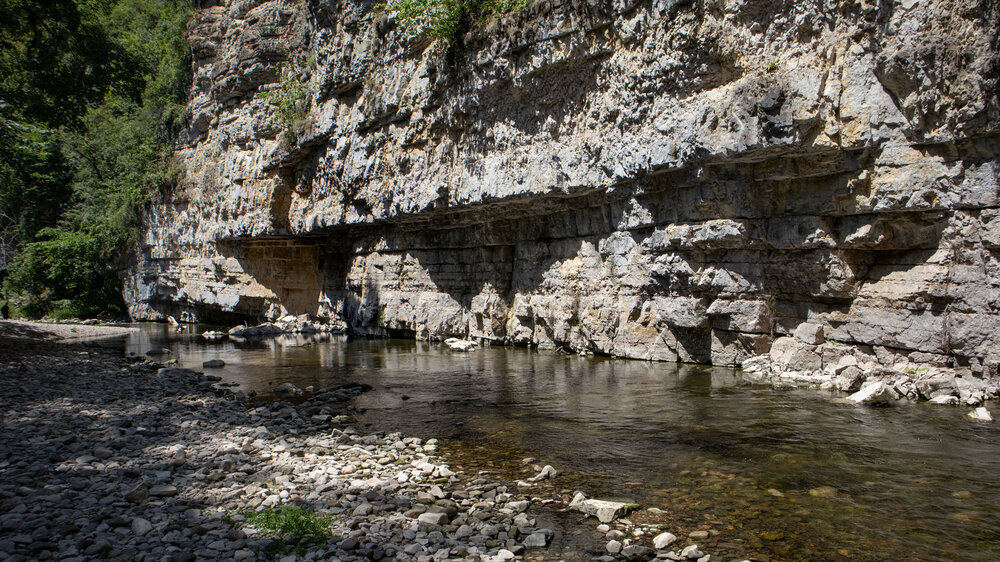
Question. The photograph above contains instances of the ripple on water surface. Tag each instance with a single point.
(781, 474)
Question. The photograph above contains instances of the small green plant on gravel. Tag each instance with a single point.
(294, 528)
(771, 66)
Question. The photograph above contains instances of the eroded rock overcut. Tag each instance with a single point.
(655, 179)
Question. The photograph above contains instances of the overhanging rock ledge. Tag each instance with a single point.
(663, 180)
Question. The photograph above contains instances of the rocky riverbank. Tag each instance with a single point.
(885, 375)
(127, 459)
(66, 331)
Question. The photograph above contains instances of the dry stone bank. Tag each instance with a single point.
(700, 181)
(103, 457)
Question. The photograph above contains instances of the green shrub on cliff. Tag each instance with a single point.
(497, 8)
(289, 100)
(91, 99)
(438, 19)
(443, 19)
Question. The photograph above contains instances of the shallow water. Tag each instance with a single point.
(771, 474)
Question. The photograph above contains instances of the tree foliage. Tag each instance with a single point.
(67, 273)
(57, 58)
(34, 178)
(91, 98)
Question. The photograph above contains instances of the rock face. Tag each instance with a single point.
(654, 179)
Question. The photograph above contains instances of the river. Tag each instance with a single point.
(766, 473)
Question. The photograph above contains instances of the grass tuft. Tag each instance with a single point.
(294, 528)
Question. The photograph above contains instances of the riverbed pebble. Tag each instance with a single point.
(663, 540)
(692, 552)
(698, 535)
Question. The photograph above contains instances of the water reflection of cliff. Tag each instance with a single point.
(288, 340)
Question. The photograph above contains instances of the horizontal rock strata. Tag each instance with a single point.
(661, 180)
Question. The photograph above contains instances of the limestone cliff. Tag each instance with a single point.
(662, 179)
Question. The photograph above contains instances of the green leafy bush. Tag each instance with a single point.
(443, 19)
(438, 19)
(496, 8)
(66, 274)
(290, 101)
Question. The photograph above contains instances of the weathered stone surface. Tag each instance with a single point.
(795, 355)
(663, 540)
(980, 414)
(432, 520)
(945, 400)
(605, 511)
(875, 393)
(456, 344)
(811, 334)
(657, 180)
(138, 494)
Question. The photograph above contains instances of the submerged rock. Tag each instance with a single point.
(288, 389)
(547, 473)
(637, 551)
(823, 492)
(698, 535)
(213, 364)
(692, 552)
(535, 540)
(177, 371)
